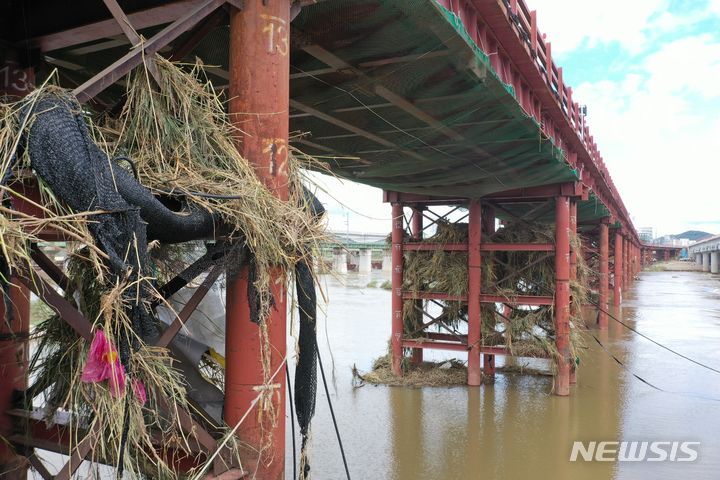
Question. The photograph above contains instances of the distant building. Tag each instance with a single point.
(646, 234)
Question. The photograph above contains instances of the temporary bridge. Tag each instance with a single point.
(439, 103)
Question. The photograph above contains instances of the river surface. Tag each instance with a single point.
(514, 428)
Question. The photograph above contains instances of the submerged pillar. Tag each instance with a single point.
(416, 232)
(706, 262)
(259, 96)
(14, 331)
(562, 294)
(473, 298)
(604, 274)
(340, 261)
(617, 292)
(698, 259)
(387, 262)
(365, 260)
(714, 259)
(397, 284)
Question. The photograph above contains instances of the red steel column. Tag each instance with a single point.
(573, 270)
(617, 296)
(604, 253)
(16, 81)
(474, 278)
(573, 234)
(626, 264)
(488, 227)
(13, 373)
(259, 105)
(397, 283)
(416, 230)
(637, 259)
(562, 294)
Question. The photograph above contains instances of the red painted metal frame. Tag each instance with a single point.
(397, 234)
(14, 351)
(488, 227)
(477, 223)
(416, 232)
(507, 31)
(529, 300)
(484, 247)
(573, 270)
(571, 189)
(562, 294)
(604, 276)
(617, 259)
(453, 346)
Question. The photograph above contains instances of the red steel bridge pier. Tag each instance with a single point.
(563, 196)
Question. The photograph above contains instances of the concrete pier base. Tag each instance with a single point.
(706, 261)
(698, 259)
(340, 262)
(387, 262)
(365, 261)
(714, 262)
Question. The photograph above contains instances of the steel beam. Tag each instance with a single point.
(135, 57)
(151, 17)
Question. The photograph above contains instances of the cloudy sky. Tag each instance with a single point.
(649, 73)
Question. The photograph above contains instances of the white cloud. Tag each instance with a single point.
(658, 127)
(352, 206)
(659, 133)
(570, 24)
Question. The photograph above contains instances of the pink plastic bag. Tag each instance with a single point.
(103, 363)
(139, 390)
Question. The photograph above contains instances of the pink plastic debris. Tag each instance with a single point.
(139, 390)
(103, 363)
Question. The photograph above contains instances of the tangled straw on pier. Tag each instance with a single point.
(182, 145)
(525, 331)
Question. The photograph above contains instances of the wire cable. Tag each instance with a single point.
(646, 382)
(712, 369)
(632, 329)
(332, 413)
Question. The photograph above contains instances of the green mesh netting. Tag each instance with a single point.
(475, 141)
(482, 142)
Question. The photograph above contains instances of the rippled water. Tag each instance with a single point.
(515, 429)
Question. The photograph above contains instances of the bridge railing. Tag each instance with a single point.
(560, 123)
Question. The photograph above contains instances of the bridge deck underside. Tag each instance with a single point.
(391, 93)
(427, 112)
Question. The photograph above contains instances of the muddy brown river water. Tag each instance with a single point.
(514, 429)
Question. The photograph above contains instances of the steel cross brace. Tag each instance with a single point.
(83, 328)
(135, 57)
